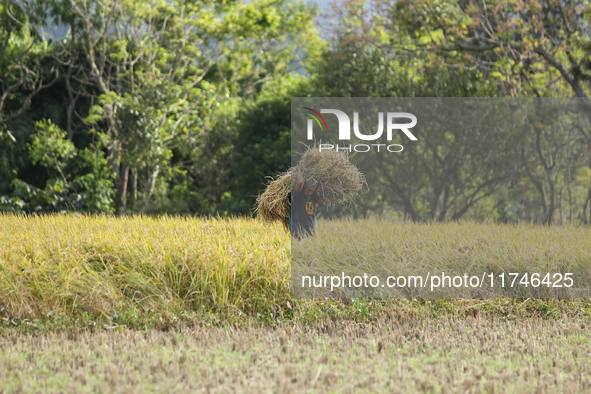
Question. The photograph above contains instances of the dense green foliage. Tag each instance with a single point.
(150, 89)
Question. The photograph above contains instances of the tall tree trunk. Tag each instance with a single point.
(537, 183)
(562, 213)
(445, 205)
(133, 185)
(585, 215)
(71, 107)
(570, 199)
(150, 183)
(121, 181)
(552, 205)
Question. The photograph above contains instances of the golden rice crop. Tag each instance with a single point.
(102, 265)
(383, 248)
(99, 263)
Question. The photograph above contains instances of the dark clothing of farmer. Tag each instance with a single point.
(304, 202)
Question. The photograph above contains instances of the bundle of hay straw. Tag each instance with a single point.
(339, 181)
(274, 203)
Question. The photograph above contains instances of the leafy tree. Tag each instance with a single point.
(21, 53)
(462, 49)
(532, 48)
(449, 170)
(173, 65)
(83, 180)
(262, 147)
(160, 82)
(24, 72)
(50, 148)
(525, 45)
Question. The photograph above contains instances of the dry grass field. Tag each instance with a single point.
(100, 304)
(470, 355)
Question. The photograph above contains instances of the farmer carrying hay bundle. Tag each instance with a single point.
(304, 201)
(319, 177)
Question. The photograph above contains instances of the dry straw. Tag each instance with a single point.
(273, 204)
(339, 181)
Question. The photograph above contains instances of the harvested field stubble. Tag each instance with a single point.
(416, 355)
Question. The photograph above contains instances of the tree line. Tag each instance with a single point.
(183, 107)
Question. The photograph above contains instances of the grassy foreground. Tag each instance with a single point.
(103, 304)
(104, 272)
(471, 355)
